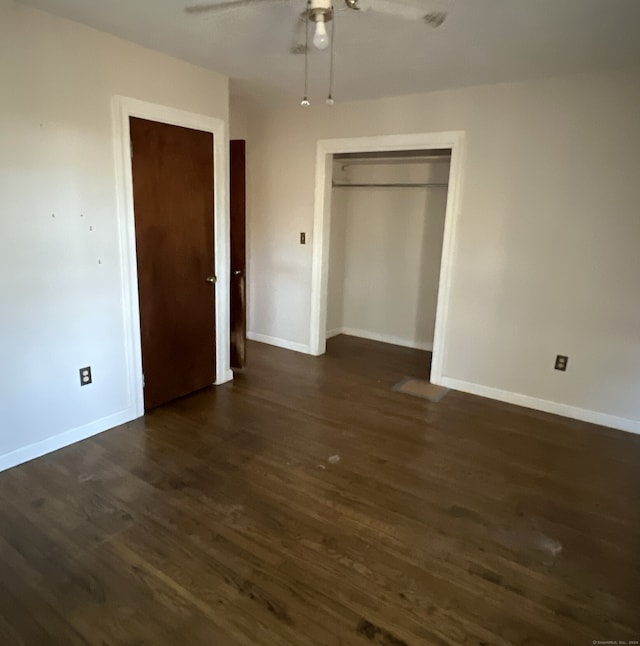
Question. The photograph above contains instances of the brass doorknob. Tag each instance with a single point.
(237, 272)
(211, 279)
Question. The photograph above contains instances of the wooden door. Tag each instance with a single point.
(238, 254)
(173, 196)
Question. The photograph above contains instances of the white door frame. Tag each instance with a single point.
(122, 109)
(322, 219)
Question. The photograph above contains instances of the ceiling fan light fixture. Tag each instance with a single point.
(320, 12)
(320, 37)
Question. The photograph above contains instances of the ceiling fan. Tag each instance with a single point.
(321, 12)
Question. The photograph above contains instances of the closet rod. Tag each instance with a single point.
(354, 185)
(392, 161)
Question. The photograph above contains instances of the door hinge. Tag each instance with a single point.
(143, 382)
(131, 147)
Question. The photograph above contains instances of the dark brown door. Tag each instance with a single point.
(238, 255)
(173, 201)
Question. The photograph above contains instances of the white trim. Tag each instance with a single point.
(280, 343)
(122, 109)
(320, 249)
(38, 449)
(583, 414)
(383, 338)
(447, 263)
(326, 148)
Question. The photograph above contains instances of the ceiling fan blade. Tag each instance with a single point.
(401, 9)
(224, 6)
(297, 43)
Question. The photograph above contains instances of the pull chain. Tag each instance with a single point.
(330, 100)
(305, 101)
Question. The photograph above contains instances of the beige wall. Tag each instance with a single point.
(546, 258)
(60, 277)
(385, 252)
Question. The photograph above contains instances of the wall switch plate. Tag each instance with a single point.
(85, 376)
(561, 362)
(303, 238)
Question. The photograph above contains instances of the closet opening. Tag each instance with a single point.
(383, 248)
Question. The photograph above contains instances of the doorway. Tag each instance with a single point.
(122, 109)
(387, 223)
(327, 149)
(238, 340)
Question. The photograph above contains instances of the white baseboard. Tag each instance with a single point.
(383, 338)
(38, 449)
(280, 343)
(331, 333)
(574, 412)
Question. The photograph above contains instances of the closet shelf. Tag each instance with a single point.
(393, 185)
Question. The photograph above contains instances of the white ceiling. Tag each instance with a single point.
(482, 41)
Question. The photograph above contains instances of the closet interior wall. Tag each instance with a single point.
(385, 250)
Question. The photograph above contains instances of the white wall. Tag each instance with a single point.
(546, 258)
(60, 277)
(386, 246)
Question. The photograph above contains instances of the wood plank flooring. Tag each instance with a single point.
(219, 519)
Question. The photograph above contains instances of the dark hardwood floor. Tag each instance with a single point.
(219, 519)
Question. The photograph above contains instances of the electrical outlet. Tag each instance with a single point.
(561, 362)
(85, 376)
(303, 238)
